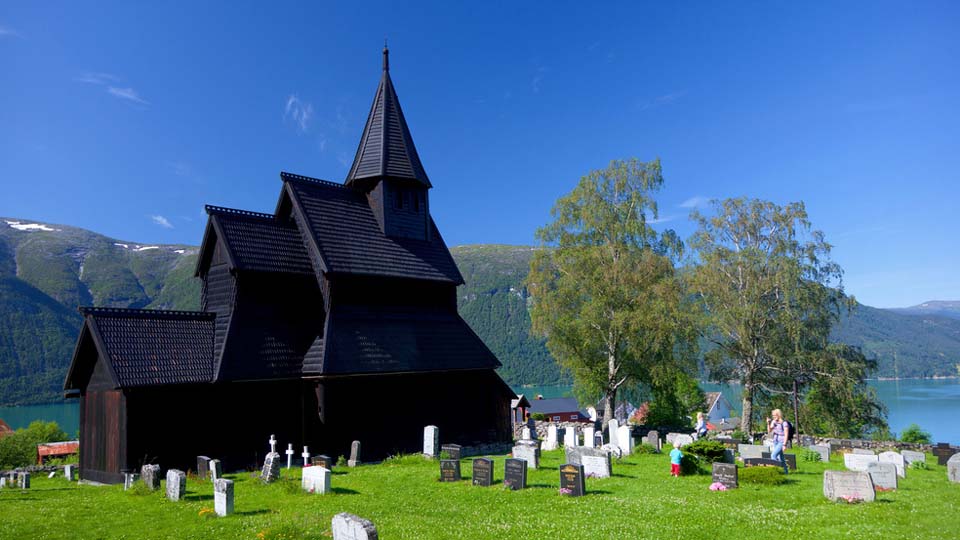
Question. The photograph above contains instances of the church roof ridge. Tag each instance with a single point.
(286, 176)
(215, 210)
(156, 313)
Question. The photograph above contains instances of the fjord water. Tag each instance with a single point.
(933, 404)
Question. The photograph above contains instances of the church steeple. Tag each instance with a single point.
(386, 148)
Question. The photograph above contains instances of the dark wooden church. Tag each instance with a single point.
(332, 319)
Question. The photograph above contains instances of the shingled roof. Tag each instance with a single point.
(386, 148)
(151, 347)
(362, 339)
(255, 241)
(350, 241)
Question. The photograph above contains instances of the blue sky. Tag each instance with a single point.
(126, 118)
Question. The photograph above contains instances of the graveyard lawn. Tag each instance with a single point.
(405, 499)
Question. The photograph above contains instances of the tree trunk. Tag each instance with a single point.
(796, 412)
(609, 407)
(747, 406)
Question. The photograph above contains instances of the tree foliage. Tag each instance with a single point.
(914, 434)
(605, 291)
(19, 449)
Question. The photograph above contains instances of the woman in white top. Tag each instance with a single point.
(701, 429)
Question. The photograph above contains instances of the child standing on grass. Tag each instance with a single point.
(675, 456)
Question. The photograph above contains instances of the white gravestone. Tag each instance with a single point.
(858, 462)
(570, 436)
(625, 440)
(306, 456)
(316, 480)
(588, 436)
(216, 470)
(612, 428)
(23, 480)
(223, 497)
(350, 527)
(431, 441)
(864, 452)
(909, 456)
(823, 450)
(883, 475)
(528, 453)
(68, 471)
(551, 442)
(273, 444)
(855, 485)
(751, 451)
(3, 482)
(289, 453)
(953, 468)
(128, 480)
(683, 439)
(596, 466)
(176, 484)
(897, 460)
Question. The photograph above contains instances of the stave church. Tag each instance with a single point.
(332, 319)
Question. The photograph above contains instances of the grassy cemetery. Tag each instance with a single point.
(404, 498)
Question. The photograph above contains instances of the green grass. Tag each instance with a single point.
(405, 500)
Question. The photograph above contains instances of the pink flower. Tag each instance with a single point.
(717, 486)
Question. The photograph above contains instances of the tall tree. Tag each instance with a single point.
(766, 284)
(605, 291)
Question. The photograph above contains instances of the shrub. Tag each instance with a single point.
(708, 451)
(644, 449)
(809, 455)
(140, 489)
(341, 461)
(540, 417)
(769, 476)
(919, 465)
(738, 436)
(19, 449)
(690, 464)
(913, 434)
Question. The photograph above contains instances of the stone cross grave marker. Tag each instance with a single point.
(350, 527)
(897, 460)
(449, 470)
(953, 468)
(653, 439)
(322, 461)
(612, 428)
(855, 485)
(23, 480)
(821, 449)
(625, 440)
(203, 467)
(289, 453)
(909, 456)
(515, 473)
(431, 442)
(315, 480)
(570, 436)
(551, 442)
(528, 453)
(482, 472)
(151, 476)
(305, 455)
(271, 468)
(726, 474)
(216, 469)
(452, 450)
(589, 433)
(883, 474)
(354, 454)
(176, 484)
(273, 444)
(571, 480)
(751, 451)
(858, 462)
(223, 497)
(944, 452)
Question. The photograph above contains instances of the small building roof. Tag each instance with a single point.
(386, 148)
(554, 405)
(349, 240)
(57, 449)
(146, 347)
(5, 428)
(254, 241)
(711, 399)
(520, 401)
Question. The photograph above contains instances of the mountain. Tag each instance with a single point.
(943, 308)
(46, 271)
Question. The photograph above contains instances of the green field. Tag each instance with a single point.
(405, 500)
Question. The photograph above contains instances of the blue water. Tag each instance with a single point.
(931, 404)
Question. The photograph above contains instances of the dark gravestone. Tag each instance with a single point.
(791, 459)
(515, 473)
(726, 474)
(150, 474)
(452, 450)
(807, 440)
(482, 472)
(449, 470)
(571, 480)
(762, 462)
(354, 454)
(322, 461)
(203, 467)
(944, 452)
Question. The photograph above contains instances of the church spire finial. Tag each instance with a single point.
(386, 56)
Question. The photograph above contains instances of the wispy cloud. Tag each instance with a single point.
(661, 219)
(6, 31)
(92, 77)
(162, 221)
(300, 112)
(180, 168)
(695, 202)
(661, 101)
(128, 94)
